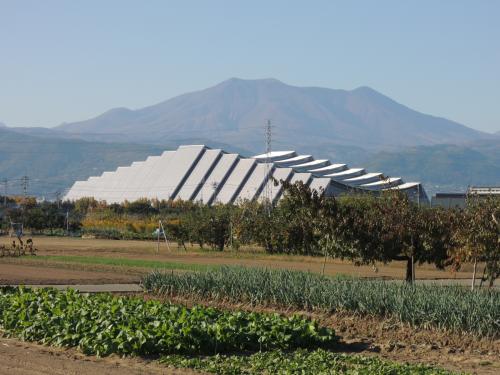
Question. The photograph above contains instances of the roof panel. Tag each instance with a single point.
(275, 155)
(333, 168)
(348, 173)
(279, 174)
(197, 178)
(363, 179)
(135, 185)
(379, 185)
(320, 184)
(235, 181)
(295, 160)
(216, 178)
(255, 182)
(303, 177)
(310, 165)
(178, 168)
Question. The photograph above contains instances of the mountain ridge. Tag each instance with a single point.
(234, 111)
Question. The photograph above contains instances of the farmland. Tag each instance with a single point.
(103, 324)
(69, 260)
(125, 261)
(239, 291)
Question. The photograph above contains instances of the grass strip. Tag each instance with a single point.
(299, 362)
(122, 262)
(429, 306)
(102, 324)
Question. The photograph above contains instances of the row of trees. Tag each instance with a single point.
(361, 228)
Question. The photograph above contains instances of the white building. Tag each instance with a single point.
(196, 172)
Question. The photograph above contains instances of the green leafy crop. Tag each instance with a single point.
(103, 324)
(299, 362)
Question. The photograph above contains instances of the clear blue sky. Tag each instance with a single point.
(71, 60)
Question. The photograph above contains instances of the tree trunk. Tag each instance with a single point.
(474, 274)
(409, 270)
(412, 269)
(326, 255)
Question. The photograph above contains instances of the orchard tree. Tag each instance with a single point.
(388, 227)
(479, 236)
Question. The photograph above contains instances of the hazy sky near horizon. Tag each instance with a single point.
(63, 61)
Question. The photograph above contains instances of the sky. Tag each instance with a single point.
(64, 61)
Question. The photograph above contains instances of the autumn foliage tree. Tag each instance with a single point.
(479, 236)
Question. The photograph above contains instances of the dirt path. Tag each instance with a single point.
(23, 358)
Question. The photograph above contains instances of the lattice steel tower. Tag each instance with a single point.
(267, 186)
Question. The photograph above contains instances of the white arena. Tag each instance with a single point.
(199, 173)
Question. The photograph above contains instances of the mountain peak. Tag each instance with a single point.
(231, 111)
(243, 81)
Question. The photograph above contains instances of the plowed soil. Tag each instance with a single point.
(23, 358)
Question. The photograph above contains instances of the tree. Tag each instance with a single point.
(366, 229)
(479, 236)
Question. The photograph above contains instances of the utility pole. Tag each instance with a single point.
(67, 222)
(5, 192)
(58, 198)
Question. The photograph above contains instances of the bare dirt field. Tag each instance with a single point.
(24, 358)
(57, 273)
(31, 274)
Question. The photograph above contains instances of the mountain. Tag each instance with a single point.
(305, 118)
(443, 167)
(361, 127)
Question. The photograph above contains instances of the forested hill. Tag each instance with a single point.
(54, 164)
(443, 167)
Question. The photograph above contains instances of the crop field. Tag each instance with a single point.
(299, 319)
(63, 260)
(450, 308)
(193, 337)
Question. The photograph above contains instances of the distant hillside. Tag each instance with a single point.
(443, 167)
(361, 127)
(234, 112)
(54, 164)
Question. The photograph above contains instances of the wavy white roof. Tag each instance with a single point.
(363, 179)
(275, 155)
(346, 174)
(329, 169)
(198, 173)
(379, 185)
(295, 160)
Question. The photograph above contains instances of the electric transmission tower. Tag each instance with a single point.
(24, 184)
(268, 169)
